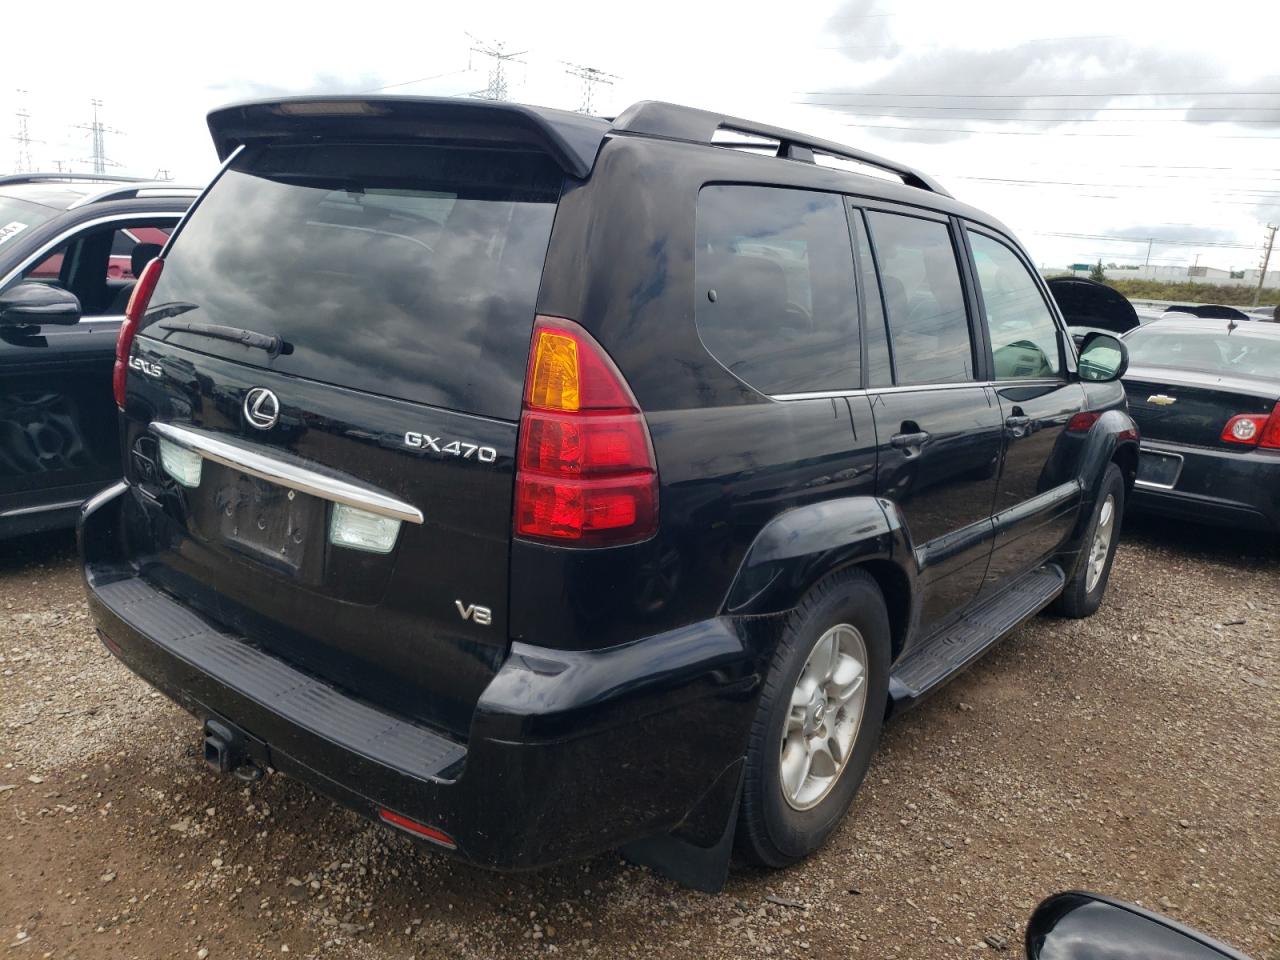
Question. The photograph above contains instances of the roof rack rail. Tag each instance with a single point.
(44, 177)
(654, 118)
(138, 189)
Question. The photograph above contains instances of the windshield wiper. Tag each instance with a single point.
(274, 346)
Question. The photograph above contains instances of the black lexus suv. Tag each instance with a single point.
(538, 484)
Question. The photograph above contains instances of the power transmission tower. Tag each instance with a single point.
(98, 132)
(499, 58)
(22, 163)
(162, 173)
(1266, 262)
(590, 77)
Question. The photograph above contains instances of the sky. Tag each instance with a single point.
(1085, 126)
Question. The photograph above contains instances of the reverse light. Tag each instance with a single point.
(585, 470)
(180, 463)
(434, 834)
(362, 530)
(138, 301)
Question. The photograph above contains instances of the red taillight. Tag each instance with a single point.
(585, 471)
(1254, 429)
(1271, 432)
(138, 301)
(1082, 421)
(417, 829)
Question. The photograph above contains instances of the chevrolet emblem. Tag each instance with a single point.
(1161, 399)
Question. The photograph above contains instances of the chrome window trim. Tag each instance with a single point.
(898, 388)
(40, 508)
(288, 471)
(78, 228)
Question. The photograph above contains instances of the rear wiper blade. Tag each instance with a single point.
(249, 338)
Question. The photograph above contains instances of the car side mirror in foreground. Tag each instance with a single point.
(1084, 926)
(1103, 358)
(30, 304)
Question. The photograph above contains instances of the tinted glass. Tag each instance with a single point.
(875, 335)
(1232, 352)
(775, 298)
(928, 323)
(17, 217)
(408, 270)
(1024, 335)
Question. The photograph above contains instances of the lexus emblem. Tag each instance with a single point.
(261, 408)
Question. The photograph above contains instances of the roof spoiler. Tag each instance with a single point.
(571, 139)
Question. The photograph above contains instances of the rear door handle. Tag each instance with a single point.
(1017, 423)
(907, 440)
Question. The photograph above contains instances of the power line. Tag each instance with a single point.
(941, 106)
(1158, 240)
(1116, 186)
(1271, 121)
(406, 83)
(1041, 96)
(1035, 133)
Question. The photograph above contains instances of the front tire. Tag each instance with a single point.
(818, 720)
(1088, 584)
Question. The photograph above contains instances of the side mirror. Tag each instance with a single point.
(1083, 926)
(1103, 358)
(30, 304)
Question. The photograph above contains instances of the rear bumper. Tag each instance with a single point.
(1224, 487)
(569, 754)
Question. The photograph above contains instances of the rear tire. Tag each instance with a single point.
(1088, 584)
(808, 753)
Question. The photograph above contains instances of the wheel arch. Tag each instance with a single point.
(802, 546)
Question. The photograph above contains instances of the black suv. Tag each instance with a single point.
(539, 485)
(70, 248)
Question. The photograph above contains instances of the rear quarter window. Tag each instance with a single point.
(401, 269)
(775, 297)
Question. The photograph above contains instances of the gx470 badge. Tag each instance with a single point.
(450, 448)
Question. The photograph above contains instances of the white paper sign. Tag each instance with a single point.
(11, 229)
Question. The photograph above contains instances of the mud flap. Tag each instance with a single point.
(698, 852)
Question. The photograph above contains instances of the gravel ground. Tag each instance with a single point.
(1136, 753)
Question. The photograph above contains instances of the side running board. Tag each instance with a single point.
(953, 649)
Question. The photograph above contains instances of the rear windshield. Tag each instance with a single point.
(407, 270)
(1233, 353)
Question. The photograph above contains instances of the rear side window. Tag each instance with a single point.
(1024, 335)
(775, 298)
(403, 269)
(928, 323)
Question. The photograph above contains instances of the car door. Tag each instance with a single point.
(1038, 494)
(938, 424)
(57, 418)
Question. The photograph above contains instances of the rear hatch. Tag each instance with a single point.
(346, 325)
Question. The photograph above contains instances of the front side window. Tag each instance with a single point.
(1024, 336)
(775, 297)
(99, 265)
(928, 323)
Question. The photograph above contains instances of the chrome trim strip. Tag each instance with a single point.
(168, 192)
(1148, 485)
(42, 508)
(904, 388)
(72, 231)
(277, 466)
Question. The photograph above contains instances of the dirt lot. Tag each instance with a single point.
(1137, 754)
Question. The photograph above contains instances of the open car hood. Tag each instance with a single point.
(1086, 303)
